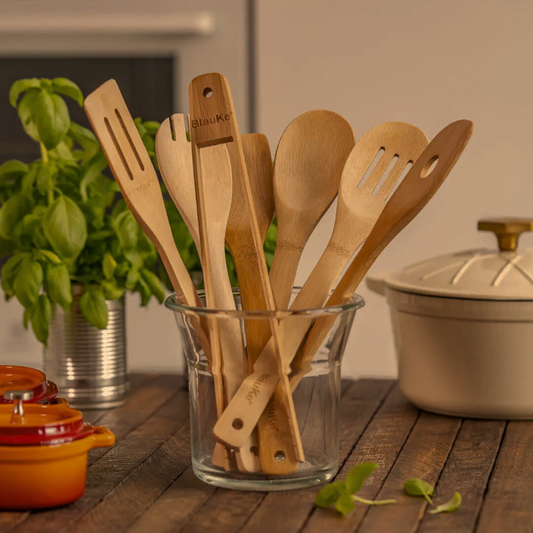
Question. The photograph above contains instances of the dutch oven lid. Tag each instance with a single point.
(504, 274)
(35, 424)
(25, 378)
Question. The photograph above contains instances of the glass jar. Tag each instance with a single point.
(315, 380)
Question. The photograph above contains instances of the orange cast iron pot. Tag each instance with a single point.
(43, 476)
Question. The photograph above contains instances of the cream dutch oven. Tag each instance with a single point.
(463, 327)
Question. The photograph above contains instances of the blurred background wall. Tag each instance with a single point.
(424, 62)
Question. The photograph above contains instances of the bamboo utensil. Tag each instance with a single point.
(359, 205)
(310, 157)
(213, 122)
(213, 193)
(415, 191)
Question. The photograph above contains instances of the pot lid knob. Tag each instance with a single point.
(507, 230)
(18, 396)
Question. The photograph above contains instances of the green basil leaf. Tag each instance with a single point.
(111, 290)
(92, 169)
(38, 239)
(108, 266)
(7, 246)
(28, 282)
(132, 278)
(450, 506)
(10, 271)
(28, 180)
(344, 503)
(134, 257)
(417, 487)
(24, 230)
(22, 86)
(68, 88)
(145, 291)
(49, 256)
(140, 127)
(41, 315)
(155, 284)
(58, 285)
(357, 476)
(26, 318)
(127, 230)
(151, 127)
(12, 212)
(51, 118)
(65, 228)
(329, 494)
(46, 179)
(12, 170)
(25, 112)
(93, 307)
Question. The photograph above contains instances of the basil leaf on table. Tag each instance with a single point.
(417, 487)
(22, 86)
(93, 307)
(58, 285)
(344, 503)
(65, 228)
(357, 476)
(67, 88)
(41, 315)
(328, 495)
(28, 282)
(12, 212)
(450, 506)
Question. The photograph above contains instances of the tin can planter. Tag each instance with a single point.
(88, 364)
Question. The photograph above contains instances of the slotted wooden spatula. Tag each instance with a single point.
(213, 122)
(408, 200)
(359, 205)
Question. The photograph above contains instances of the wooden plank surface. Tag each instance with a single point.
(145, 483)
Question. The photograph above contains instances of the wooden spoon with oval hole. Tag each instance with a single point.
(359, 206)
(176, 165)
(307, 171)
(415, 191)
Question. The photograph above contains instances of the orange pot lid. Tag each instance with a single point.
(40, 424)
(24, 378)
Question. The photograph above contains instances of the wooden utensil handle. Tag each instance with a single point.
(283, 272)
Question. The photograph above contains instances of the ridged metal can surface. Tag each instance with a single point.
(88, 364)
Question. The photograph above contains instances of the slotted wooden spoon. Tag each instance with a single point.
(213, 121)
(175, 163)
(359, 206)
(307, 171)
(408, 200)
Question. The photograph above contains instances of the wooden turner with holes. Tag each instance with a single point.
(412, 195)
(213, 122)
(359, 206)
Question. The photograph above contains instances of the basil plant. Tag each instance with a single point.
(63, 221)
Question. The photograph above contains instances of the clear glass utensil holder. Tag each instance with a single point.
(316, 398)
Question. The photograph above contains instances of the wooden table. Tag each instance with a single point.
(145, 483)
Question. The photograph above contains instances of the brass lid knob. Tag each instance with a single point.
(507, 230)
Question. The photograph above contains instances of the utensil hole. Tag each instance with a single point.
(279, 456)
(254, 450)
(208, 92)
(404, 172)
(430, 166)
(385, 174)
(237, 423)
(371, 167)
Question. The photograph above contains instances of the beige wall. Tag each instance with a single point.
(424, 62)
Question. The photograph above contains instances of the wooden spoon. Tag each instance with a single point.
(307, 170)
(176, 165)
(415, 191)
(359, 205)
(213, 121)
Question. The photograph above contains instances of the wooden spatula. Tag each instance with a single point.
(134, 172)
(307, 171)
(175, 163)
(412, 195)
(213, 122)
(359, 206)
